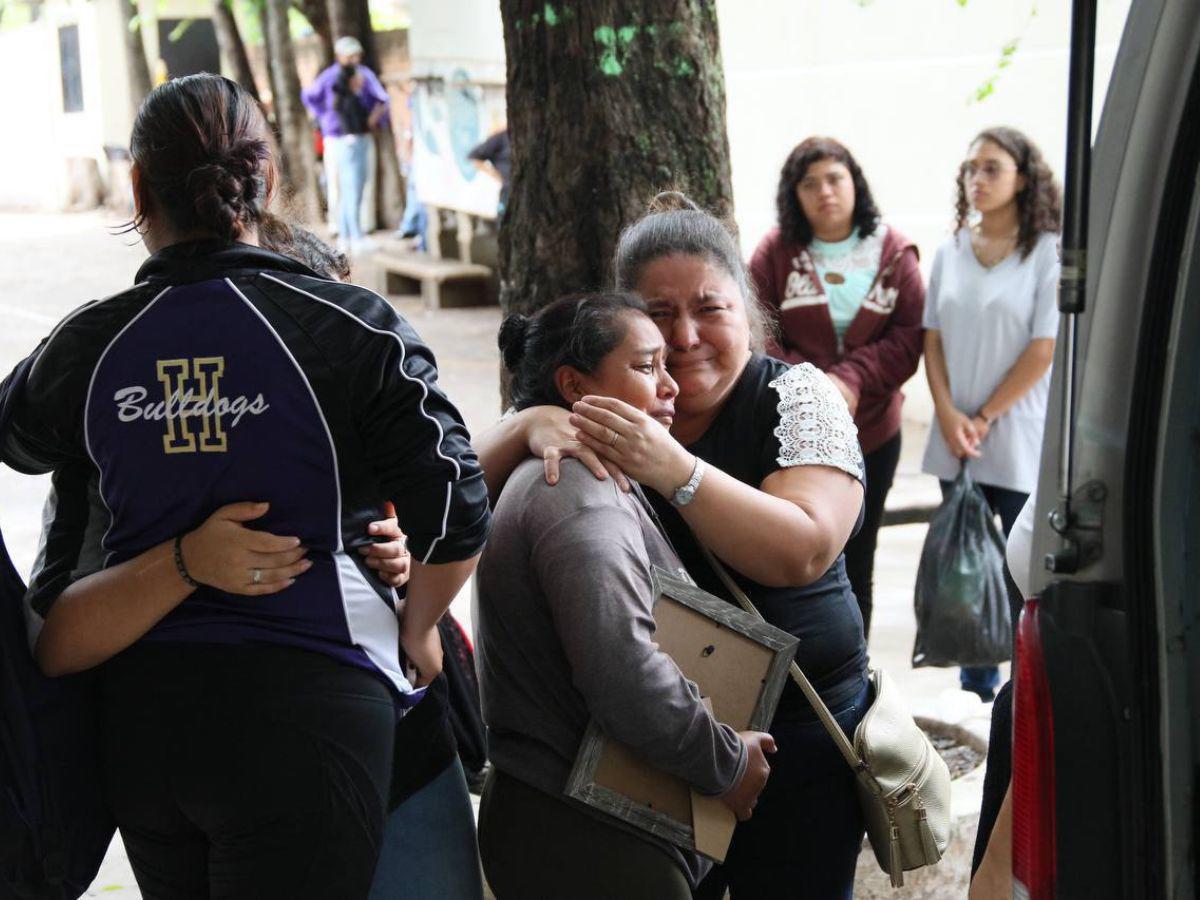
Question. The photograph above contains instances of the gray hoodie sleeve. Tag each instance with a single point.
(594, 572)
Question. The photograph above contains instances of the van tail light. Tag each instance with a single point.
(1032, 766)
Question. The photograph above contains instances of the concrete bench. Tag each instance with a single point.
(435, 278)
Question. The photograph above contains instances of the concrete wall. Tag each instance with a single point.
(449, 34)
(459, 99)
(45, 143)
(41, 137)
(894, 81)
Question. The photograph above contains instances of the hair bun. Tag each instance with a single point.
(672, 201)
(218, 197)
(514, 332)
(228, 190)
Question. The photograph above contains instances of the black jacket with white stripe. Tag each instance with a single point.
(231, 373)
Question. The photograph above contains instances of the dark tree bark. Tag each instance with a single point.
(317, 13)
(137, 68)
(353, 18)
(295, 136)
(609, 102)
(260, 8)
(229, 38)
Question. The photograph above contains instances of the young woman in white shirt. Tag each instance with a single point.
(991, 317)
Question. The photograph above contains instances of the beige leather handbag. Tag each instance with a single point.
(903, 783)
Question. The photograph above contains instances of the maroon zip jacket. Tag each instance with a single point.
(881, 347)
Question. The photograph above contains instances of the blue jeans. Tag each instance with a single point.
(807, 829)
(415, 216)
(352, 181)
(983, 680)
(429, 845)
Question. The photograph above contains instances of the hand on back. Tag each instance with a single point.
(628, 438)
(225, 553)
(552, 438)
(390, 558)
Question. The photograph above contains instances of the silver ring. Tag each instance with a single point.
(616, 434)
(256, 576)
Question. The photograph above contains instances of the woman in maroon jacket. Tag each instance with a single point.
(848, 298)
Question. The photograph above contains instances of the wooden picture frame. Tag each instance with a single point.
(740, 663)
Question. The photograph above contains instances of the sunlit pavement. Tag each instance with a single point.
(49, 264)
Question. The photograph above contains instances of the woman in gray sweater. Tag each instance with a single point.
(566, 633)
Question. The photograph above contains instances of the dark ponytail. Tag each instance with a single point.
(577, 331)
(200, 144)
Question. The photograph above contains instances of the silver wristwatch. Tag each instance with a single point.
(684, 495)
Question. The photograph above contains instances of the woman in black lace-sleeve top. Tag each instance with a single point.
(762, 463)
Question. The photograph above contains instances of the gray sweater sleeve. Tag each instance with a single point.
(593, 568)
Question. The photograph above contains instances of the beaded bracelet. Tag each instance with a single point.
(182, 569)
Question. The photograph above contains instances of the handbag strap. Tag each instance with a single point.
(835, 731)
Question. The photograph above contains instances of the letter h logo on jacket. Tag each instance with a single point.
(192, 391)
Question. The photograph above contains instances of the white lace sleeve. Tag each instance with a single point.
(815, 427)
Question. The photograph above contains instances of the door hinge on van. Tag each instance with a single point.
(1080, 524)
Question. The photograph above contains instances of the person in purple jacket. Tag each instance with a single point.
(320, 98)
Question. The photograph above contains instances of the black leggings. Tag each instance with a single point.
(860, 551)
(248, 771)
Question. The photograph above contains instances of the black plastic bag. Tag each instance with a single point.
(960, 599)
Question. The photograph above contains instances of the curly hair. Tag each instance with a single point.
(793, 224)
(1039, 203)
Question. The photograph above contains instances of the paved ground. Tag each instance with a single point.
(50, 264)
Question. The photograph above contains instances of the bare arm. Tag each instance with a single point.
(993, 879)
(960, 433)
(100, 615)
(1026, 372)
(935, 369)
(487, 168)
(540, 431)
(787, 531)
(431, 589)
(502, 448)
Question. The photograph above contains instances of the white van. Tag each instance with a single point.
(1107, 704)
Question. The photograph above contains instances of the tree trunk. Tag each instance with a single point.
(317, 14)
(281, 155)
(136, 66)
(353, 18)
(290, 116)
(229, 37)
(609, 102)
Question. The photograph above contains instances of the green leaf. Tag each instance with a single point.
(135, 22)
(180, 30)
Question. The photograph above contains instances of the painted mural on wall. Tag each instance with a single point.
(451, 116)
